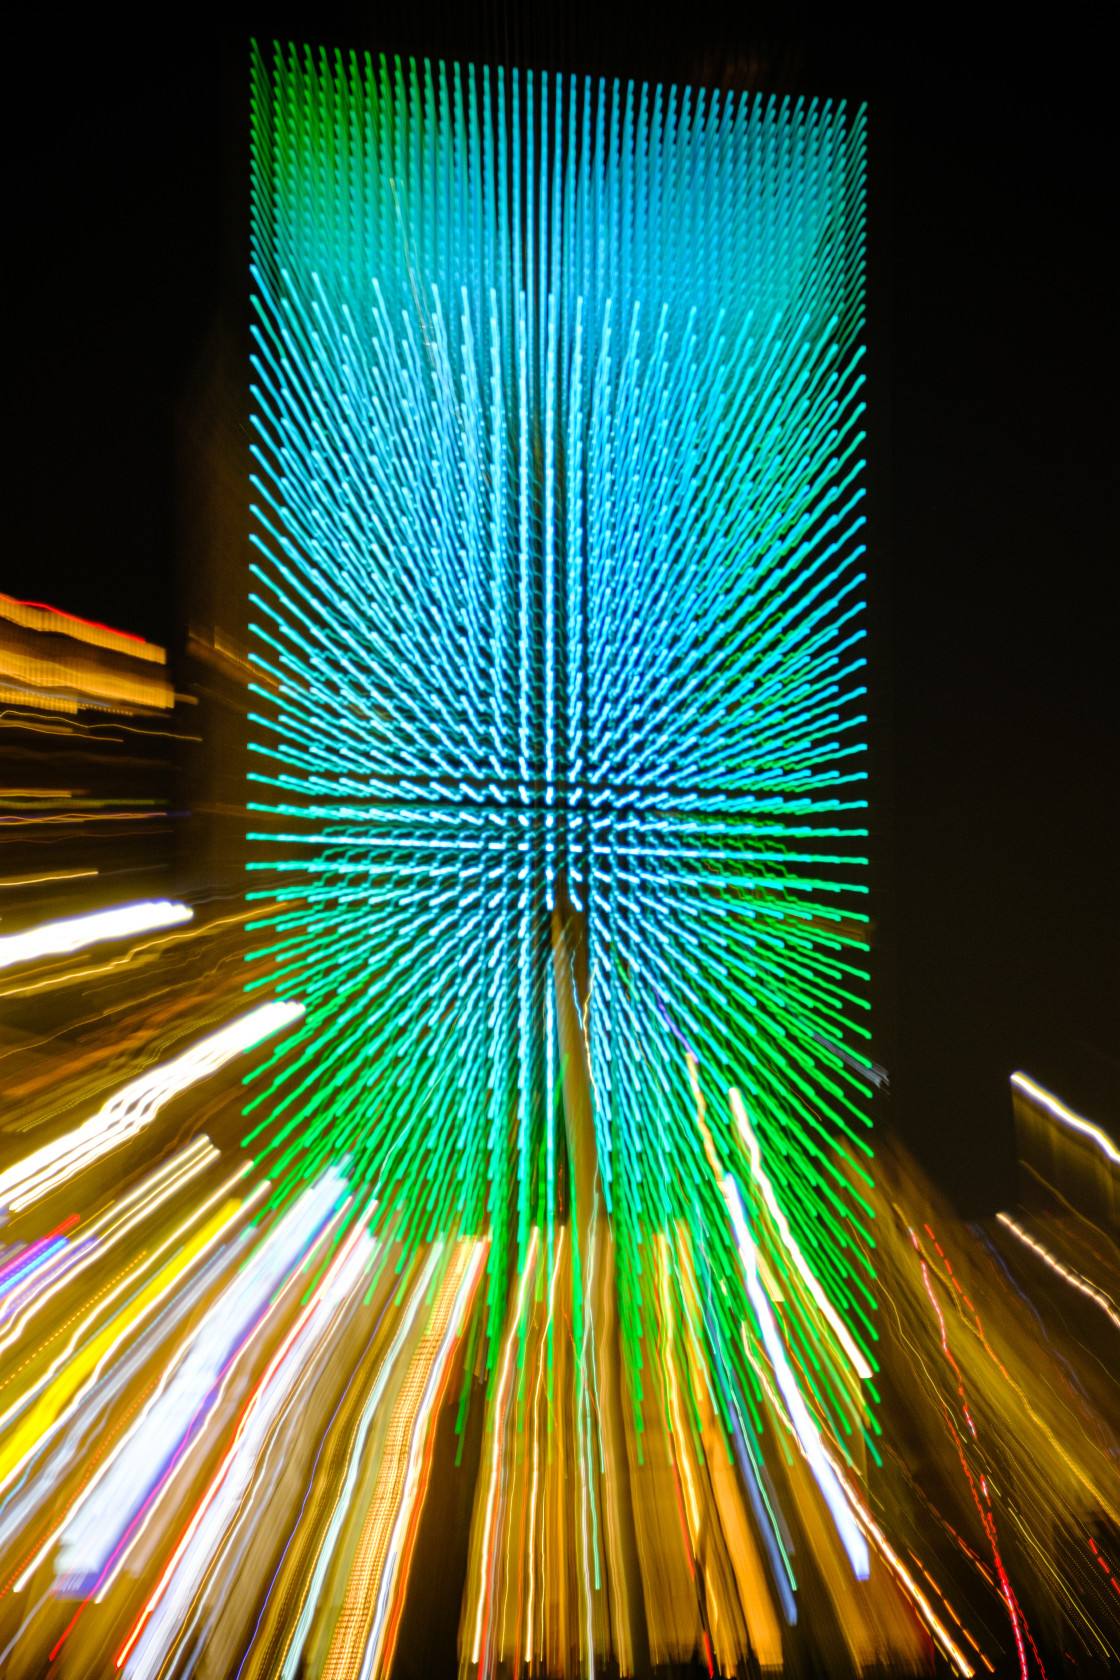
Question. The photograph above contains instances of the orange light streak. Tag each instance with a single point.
(536, 1438)
(482, 1618)
(222, 1471)
(1074, 1279)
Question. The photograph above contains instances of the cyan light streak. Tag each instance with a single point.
(558, 603)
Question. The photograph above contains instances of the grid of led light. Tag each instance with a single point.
(557, 407)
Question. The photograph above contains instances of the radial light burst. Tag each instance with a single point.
(558, 623)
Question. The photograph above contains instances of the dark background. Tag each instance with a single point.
(992, 471)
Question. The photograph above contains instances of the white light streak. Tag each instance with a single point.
(93, 1242)
(1074, 1279)
(805, 1429)
(1066, 1117)
(843, 1335)
(182, 1577)
(134, 1107)
(187, 1390)
(76, 932)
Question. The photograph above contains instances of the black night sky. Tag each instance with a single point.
(992, 477)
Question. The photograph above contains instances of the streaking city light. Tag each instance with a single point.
(129, 1110)
(154, 1450)
(504, 1285)
(558, 623)
(75, 933)
(1066, 1116)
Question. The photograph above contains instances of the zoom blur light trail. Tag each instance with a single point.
(136, 1106)
(1066, 1117)
(40, 1270)
(166, 1615)
(54, 939)
(153, 1446)
(558, 622)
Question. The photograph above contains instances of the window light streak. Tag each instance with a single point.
(36, 615)
(129, 1110)
(343, 1273)
(1066, 1117)
(1074, 1279)
(804, 1428)
(76, 932)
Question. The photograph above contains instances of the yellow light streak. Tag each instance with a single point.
(1074, 1279)
(917, 1597)
(54, 875)
(231, 1452)
(541, 1360)
(276, 1305)
(31, 615)
(128, 1281)
(430, 1365)
(676, 1418)
(129, 1110)
(155, 1191)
